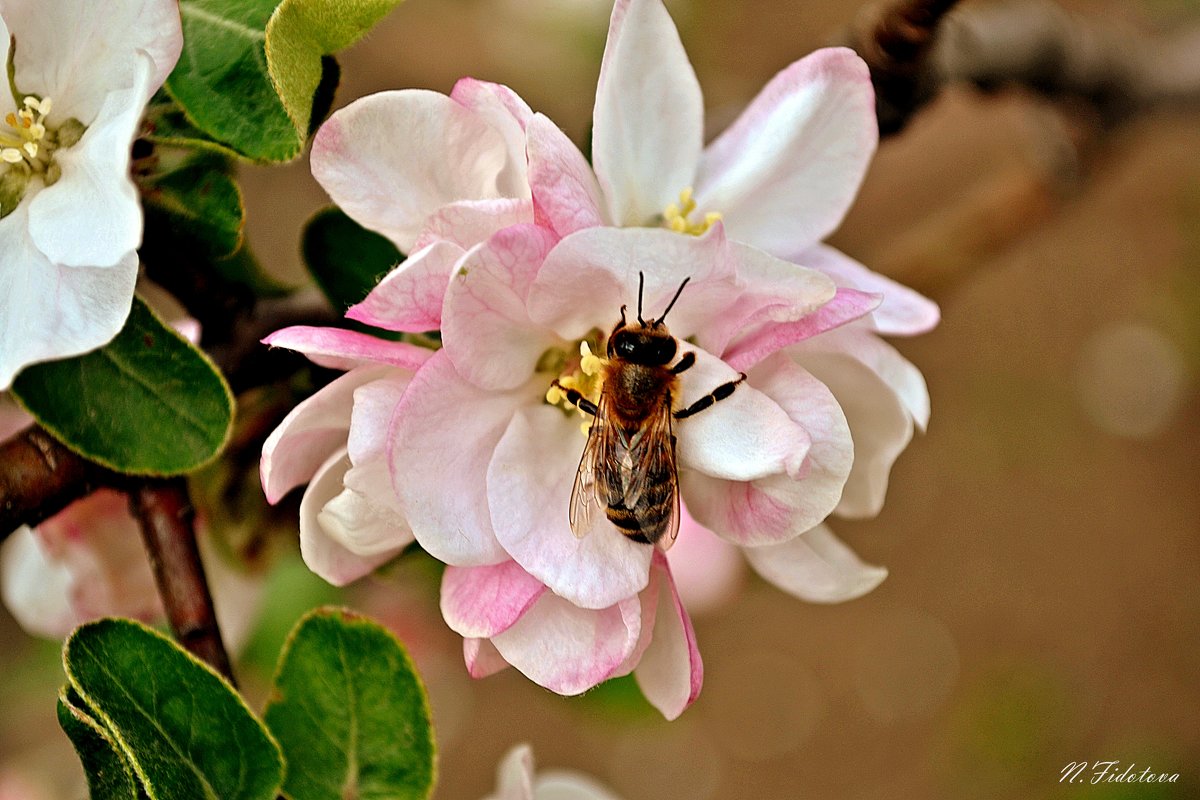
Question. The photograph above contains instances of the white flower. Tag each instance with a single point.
(70, 221)
(516, 780)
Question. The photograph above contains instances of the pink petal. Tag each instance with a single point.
(708, 571)
(879, 423)
(741, 438)
(590, 274)
(529, 491)
(338, 348)
(486, 328)
(671, 672)
(781, 506)
(444, 433)
(770, 337)
(323, 539)
(568, 649)
(648, 123)
(565, 192)
(310, 433)
(482, 658)
(391, 159)
(817, 567)
(480, 602)
(784, 174)
(371, 417)
(903, 311)
(409, 298)
(469, 222)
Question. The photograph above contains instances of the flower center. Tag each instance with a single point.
(583, 373)
(675, 216)
(27, 148)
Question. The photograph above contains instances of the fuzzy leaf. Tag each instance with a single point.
(196, 206)
(147, 403)
(109, 776)
(349, 676)
(344, 258)
(301, 32)
(186, 733)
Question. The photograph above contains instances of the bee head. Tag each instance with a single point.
(647, 342)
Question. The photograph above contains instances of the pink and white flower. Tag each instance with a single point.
(516, 780)
(70, 221)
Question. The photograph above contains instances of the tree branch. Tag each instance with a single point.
(914, 48)
(40, 477)
(164, 512)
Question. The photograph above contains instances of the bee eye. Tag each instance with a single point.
(626, 346)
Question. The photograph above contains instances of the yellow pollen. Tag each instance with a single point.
(675, 215)
(25, 138)
(584, 374)
(10, 154)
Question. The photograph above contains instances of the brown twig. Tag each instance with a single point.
(40, 477)
(916, 47)
(165, 514)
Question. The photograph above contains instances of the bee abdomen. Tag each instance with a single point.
(648, 520)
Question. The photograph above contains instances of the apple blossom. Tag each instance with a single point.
(516, 780)
(80, 75)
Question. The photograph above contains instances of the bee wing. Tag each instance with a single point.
(651, 456)
(595, 470)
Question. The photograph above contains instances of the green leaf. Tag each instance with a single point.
(109, 775)
(345, 259)
(301, 32)
(165, 123)
(222, 81)
(147, 403)
(186, 732)
(197, 205)
(350, 712)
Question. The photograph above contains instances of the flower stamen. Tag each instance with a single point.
(584, 374)
(675, 216)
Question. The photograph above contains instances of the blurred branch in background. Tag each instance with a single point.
(40, 477)
(915, 48)
(165, 514)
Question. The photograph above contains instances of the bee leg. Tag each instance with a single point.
(685, 363)
(576, 399)
(719, 393)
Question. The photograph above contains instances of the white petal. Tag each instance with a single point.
(91, 216)
(529, 491)
(482, 658)
(505, 111)
(671, 672)
(648, 125)
(816, 566)
(49, 312)
(514, 775)
(75, 53)
(469, 222)
(784, 174)
(569, 785)
(389, 160)
(36, 587)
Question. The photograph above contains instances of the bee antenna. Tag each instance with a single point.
(641, 286)
(671, 304)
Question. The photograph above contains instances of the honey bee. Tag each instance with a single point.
(628, 463)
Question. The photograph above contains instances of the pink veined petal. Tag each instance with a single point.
(410, 297)
(708, 571)
(480, 602)
(784, 174)
(327, 555)
(879, 424)
(91, 216)
(671, 672)
(469, 222)
(505, 111)
(310, 433)
(568, 649)
(900, 374)
(444, 434)
(741, 438)
(482, 658)
(816, 566)
(591, 273)
(770, 337)
(648, 122)
(391, 159)
(780, 507)
(566, 195)
(75, 53)
(514, 775)
(529, 490)
(48, 311)
(338, 348)
(903, 312)
(486, 328)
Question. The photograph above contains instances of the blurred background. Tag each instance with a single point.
(1043, 603)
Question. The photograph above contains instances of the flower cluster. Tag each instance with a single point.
(79, 76)
(524, 256)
